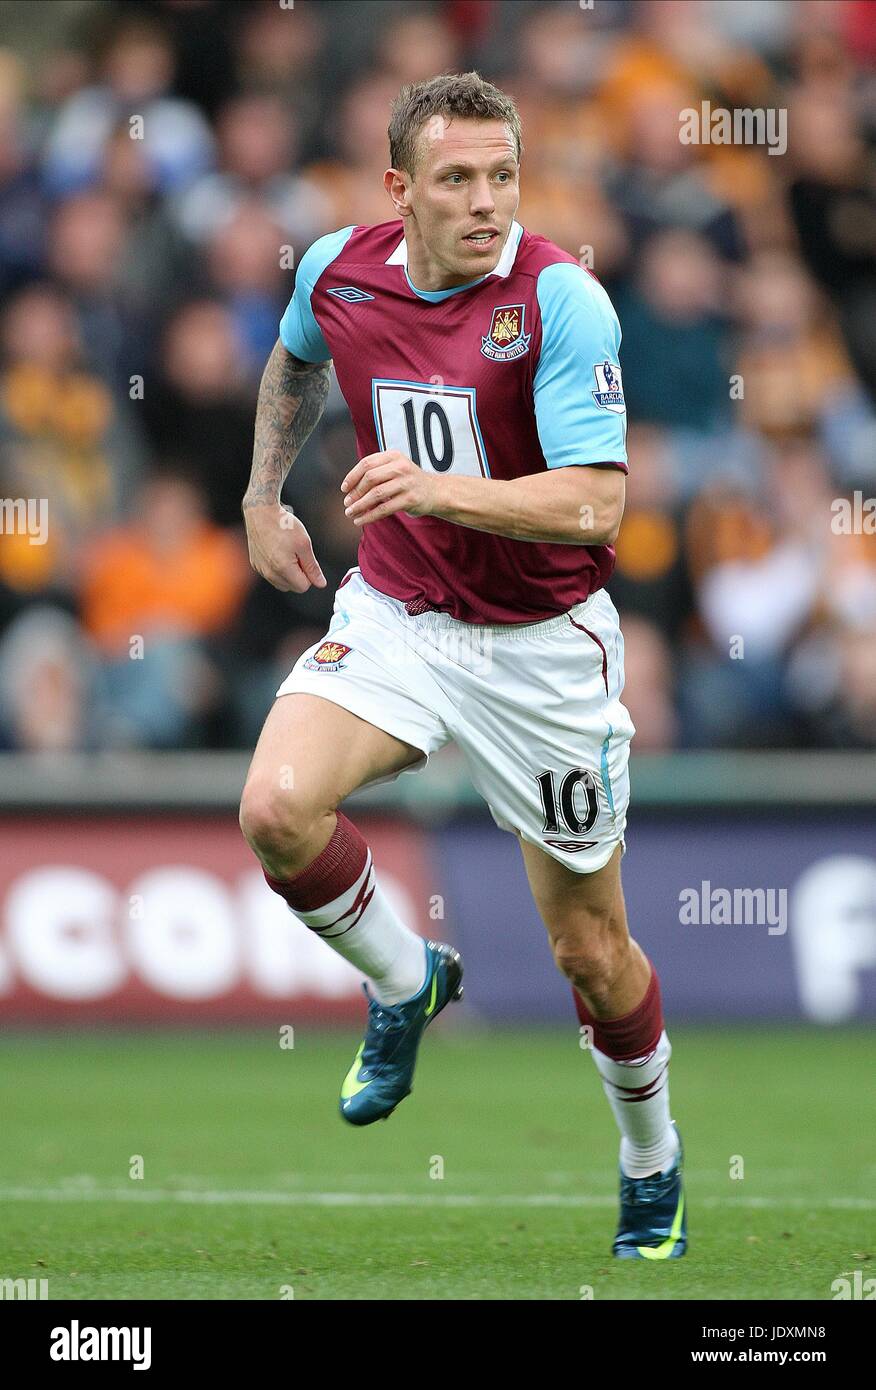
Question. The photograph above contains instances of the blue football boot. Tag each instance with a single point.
(383, 1068)
(653, 1218)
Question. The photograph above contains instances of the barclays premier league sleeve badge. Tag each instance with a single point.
(609, 393)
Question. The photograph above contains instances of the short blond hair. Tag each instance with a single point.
(464, 94)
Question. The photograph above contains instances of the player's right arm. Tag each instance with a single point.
(291, 400)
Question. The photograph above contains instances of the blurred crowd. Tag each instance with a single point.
(163, 163)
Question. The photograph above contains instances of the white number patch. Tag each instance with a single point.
(436, 426)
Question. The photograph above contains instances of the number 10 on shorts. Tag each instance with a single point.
(563, 806)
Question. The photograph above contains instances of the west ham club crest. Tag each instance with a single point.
(506, 339)
(329, 657)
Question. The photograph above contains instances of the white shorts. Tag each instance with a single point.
(534, 708)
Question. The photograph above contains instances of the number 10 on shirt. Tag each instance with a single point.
(436, 427)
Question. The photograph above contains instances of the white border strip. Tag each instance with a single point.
(402, 1199)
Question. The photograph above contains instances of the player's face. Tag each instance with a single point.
(462, 200)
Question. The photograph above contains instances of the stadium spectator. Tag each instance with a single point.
(651, 575)
(352, 182)
(649, 691)
(565, 130)
(46, 684)
(63, 439)
(142, 280)
(156, 265)
(415, 45)
(137, 74)
(282, 51)
(757, 587)
(22, 211)
(201, 35)
(258, 146)
(834, 210)
(676, 350)
(660, 183)
(198, 410)
(153, 593)
(244, 259)
(88, 235)
(791, 359)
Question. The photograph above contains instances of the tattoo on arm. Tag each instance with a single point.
(291, 400)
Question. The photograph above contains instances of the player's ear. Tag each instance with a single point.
(397, 185)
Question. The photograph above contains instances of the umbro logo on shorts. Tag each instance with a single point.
(570, 845)
(328, 657)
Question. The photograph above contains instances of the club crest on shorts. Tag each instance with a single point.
(609, 394)
(506, 339)
(328, 657)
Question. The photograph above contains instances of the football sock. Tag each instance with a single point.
(338, 897)
(632, 1057)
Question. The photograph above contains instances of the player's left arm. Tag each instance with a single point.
(578, 505)
(581, 422)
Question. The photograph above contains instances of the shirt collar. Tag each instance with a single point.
(503, 266)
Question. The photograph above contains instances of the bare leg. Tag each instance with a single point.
(311, 754)
(586, 922)
(619, 997)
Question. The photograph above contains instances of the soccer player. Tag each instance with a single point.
(480, 366)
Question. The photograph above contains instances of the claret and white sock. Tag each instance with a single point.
(339, 897)
(632, 1057)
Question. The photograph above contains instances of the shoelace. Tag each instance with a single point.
(383, 1016)
(384, 1020)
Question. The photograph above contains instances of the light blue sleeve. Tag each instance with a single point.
(300, 333)
(579, 402)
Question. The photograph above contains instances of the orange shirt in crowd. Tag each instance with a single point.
(130, 587)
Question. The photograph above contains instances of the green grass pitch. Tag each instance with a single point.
(253, 1187)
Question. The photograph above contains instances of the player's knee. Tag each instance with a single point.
(591, 960)
(275, 821)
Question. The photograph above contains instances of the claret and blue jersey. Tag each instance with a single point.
(511, 374)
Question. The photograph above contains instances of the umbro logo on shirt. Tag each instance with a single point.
(350, 294)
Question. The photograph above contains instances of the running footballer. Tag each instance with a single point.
(480, 366)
